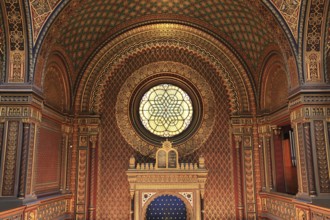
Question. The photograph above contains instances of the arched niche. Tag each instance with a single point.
(274, 84)
(188, 205)
(56, 84)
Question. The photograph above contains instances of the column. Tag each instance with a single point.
(86, 171)
(92, 176)
(198, 205)
(312, 148)
(243, 130)
(240, 207)
(136, 205)
(27, 178)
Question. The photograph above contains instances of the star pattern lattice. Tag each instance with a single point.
(166, 110)
(166, 207)
(91, 20)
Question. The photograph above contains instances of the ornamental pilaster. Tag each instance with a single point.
(20, 116)
(310, 121)
(88, 130)
(243, 139)
(266, 155)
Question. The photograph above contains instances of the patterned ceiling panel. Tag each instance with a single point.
(40, 10)
(245, 24)
(290, 10)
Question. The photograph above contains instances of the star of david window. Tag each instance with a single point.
(166, 110)
(165, 107)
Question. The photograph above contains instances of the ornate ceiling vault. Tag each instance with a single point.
(248, 28)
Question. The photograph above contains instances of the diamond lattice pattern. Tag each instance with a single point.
(113, 199)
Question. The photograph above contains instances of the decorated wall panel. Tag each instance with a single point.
(2, 47)
(17, 44)
(40, 11)
(48, 158)
(290, 10)
(113, 199)
(10, 159)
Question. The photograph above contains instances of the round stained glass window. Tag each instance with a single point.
(165, 110)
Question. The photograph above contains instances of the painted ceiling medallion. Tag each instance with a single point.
(165, 109)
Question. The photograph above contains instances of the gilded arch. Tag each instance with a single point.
(114, 54)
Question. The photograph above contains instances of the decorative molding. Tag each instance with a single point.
(241, 125)
(304, 114)
(22, 112)
(309, 100)
(14, 98)
(89, 125)
(167, 178)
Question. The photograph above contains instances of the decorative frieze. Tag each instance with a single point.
(14, 99)
(53, 210)
(309, 100)
(287, 207)
(20, 112)
(89, 125)
(278, 208)
(167, 178)
(242, 125)
(306, 113)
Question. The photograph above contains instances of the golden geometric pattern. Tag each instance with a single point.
(40, 10)
(290, 11)
(91, 20)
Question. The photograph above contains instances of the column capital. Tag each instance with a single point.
(89, 124)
